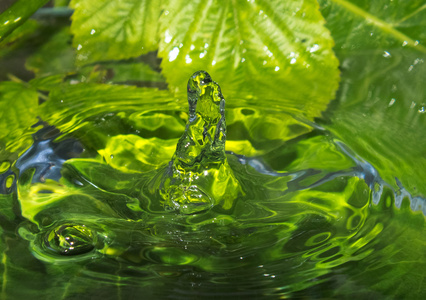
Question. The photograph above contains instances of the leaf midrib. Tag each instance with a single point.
(380, 24)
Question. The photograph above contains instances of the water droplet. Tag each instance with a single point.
(416, 43)
(111, 156)
(269, 53)
(192, 47)
(418, 60)
(7, 22)
(69, 239)
(293, 61)
(168, 37)
(422, 110)
(92, 32)
(206, 45)
(213, 62)
(392, 101)
(412, 104)
(166, 12)
(405, 43)
(277, 68)
(173, 54)
(410, 68)
(387, 54)
(314, 48)
(202, 54)
(79, 47)
(17, 19)
(188, 59)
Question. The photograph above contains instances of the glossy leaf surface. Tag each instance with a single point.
(250, 46)
(109, 30)
(380, 108)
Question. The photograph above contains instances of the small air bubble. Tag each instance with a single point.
(111, 156)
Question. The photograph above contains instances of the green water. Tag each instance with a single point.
(110, 207)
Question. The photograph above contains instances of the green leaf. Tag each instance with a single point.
(381, 102)
(56, 56)
(18, 111)
(17, 14)
(254, 49)
(59, 3)
(107, 30)
(133, 71)
(18, 37)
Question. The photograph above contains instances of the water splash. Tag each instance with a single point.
(199, 176)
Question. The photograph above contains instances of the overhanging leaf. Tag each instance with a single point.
(380, 106)
(17, 14)
(106, 30)
(261, 49)
(56, 56)
(19, 36)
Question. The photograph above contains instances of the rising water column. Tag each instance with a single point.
(199, 177)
